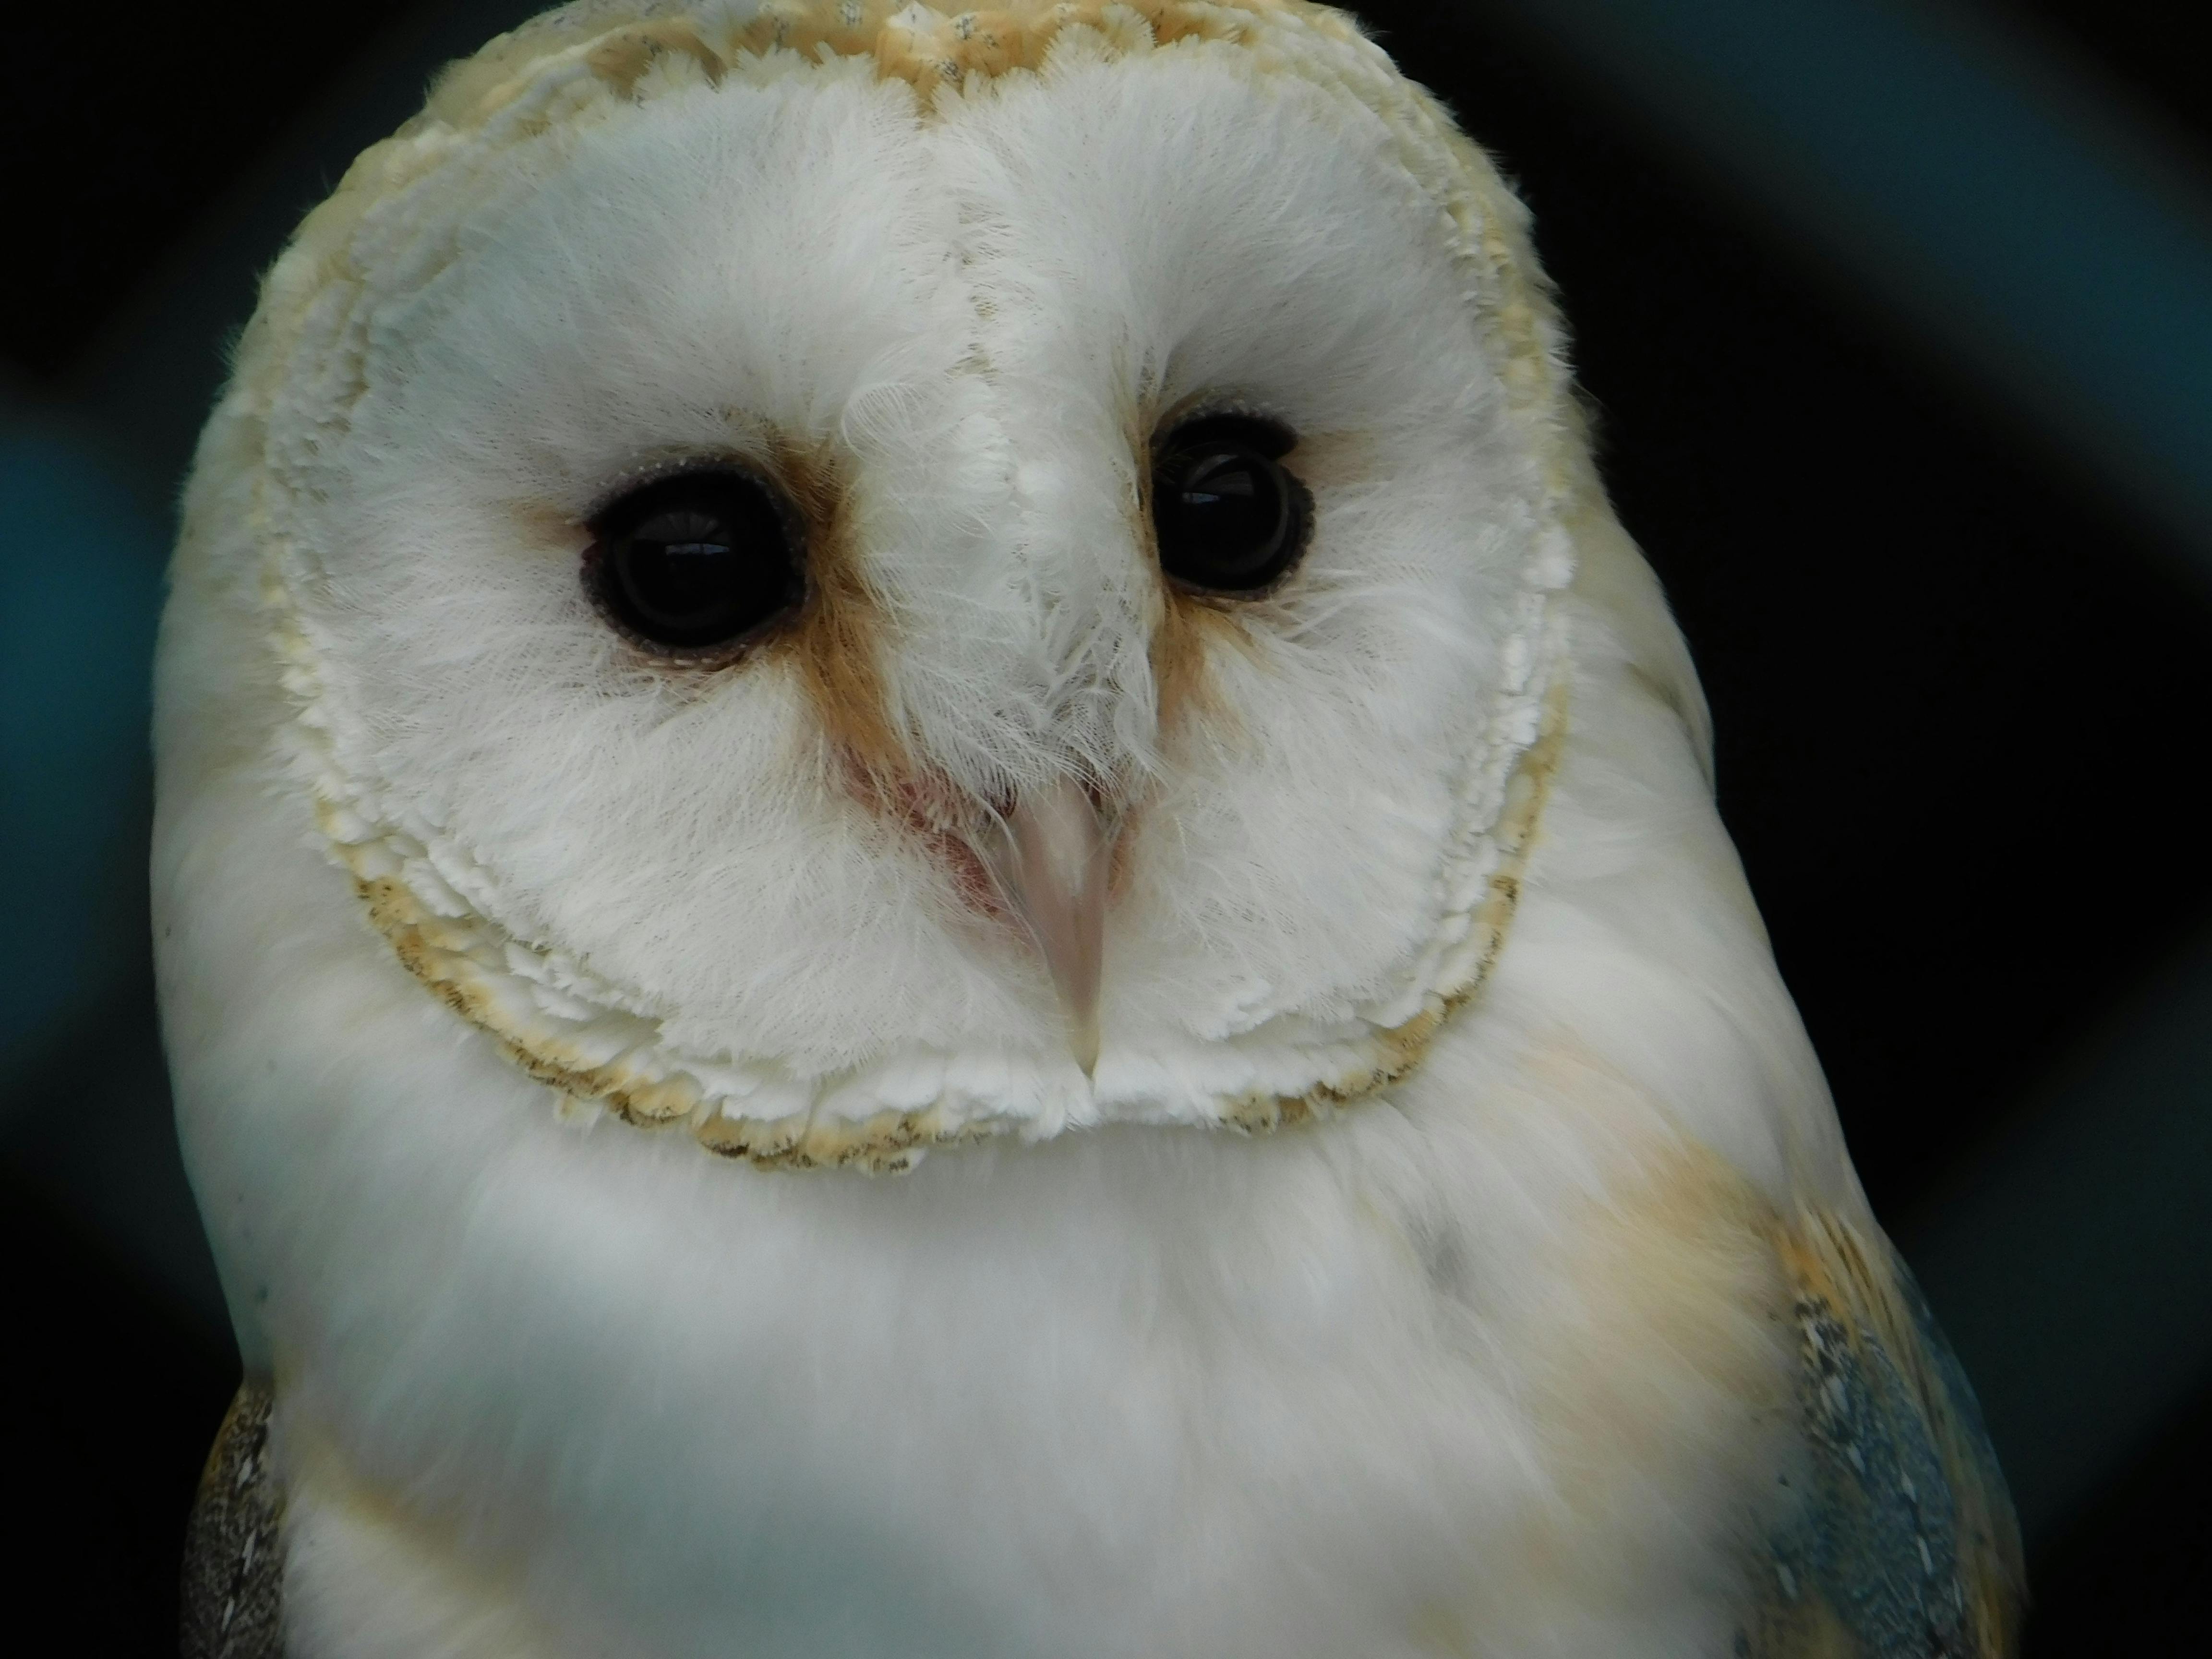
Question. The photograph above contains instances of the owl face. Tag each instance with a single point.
(852, 580)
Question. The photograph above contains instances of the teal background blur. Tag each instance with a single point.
(1896, 318)
(72, 742)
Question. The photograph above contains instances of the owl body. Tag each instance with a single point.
(697, 1163)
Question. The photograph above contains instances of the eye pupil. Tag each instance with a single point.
(696, 560)
(1229, 519)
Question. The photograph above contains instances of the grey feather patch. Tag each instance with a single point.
(1904, 1547)
(234, 1564)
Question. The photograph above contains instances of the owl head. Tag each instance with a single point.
(851, 578)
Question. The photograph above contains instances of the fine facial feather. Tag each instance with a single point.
(1508, 1355)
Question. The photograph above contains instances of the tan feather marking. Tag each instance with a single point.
(1184, 625)
(426, 1568)
(834, 648)
(1191, 627)
(1678, 1269)
(835, 644)
(831, 645)
(624, 55)
(1659, 1375)
(929, 49)
(887, 1143)
(925, 47)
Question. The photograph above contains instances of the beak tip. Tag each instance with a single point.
(1053, 865)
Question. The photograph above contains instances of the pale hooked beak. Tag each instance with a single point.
(1053, 866)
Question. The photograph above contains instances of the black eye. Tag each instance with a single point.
(696, 560)
(1229, 519)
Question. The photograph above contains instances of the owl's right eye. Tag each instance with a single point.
(1228, 516)
(700, 559)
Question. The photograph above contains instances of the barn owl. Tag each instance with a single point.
(931, 881)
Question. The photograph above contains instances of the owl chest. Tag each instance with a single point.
(1151, 1391)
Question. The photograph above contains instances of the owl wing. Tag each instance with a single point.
(234, 1568)
(1905, 1545)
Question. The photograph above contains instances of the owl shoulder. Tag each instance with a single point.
(1904, 1545)
(231, 1600)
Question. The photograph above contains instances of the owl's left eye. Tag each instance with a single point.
(700, 559)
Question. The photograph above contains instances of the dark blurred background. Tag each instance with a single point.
(1898, 321)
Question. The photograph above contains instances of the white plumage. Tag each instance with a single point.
(1451, 1247)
